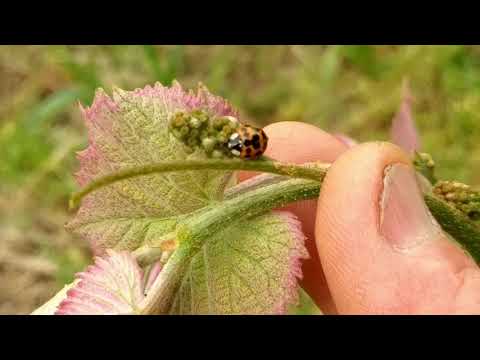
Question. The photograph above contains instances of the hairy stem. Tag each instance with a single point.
(455, 223)
(313, 172)
(458, 226)
(194, 231)
(198, 227)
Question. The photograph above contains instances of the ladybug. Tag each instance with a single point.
(248, 142)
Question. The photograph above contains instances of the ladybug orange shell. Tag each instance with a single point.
(248, 142)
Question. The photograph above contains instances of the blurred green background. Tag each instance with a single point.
(349, 89)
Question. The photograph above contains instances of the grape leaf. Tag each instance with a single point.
(131, 128)
(403, 131)
(113, 285)
(250, 267)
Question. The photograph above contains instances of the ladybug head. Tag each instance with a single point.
(235, 144)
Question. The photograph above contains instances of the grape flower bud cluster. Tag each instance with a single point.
(460, 196)
(199, 130)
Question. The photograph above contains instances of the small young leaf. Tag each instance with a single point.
(132, 129)
(114, 285)
(250, 267)
(346, 140)
(403, 131)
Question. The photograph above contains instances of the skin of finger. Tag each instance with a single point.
(365, 274)
(300, 143)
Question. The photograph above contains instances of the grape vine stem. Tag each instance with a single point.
(312, 171)
(462, 229)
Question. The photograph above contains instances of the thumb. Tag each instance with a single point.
(380, 248)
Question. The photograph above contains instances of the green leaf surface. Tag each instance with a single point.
(250, 267)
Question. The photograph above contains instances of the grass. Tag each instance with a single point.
(349, 89)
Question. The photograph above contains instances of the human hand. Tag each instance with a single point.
(374, 247)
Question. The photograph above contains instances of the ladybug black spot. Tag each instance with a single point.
(247, 142)
(256, 138)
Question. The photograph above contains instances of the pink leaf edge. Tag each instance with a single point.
(298, 252)
(113, 285)
(403, 131)
(174, 97)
